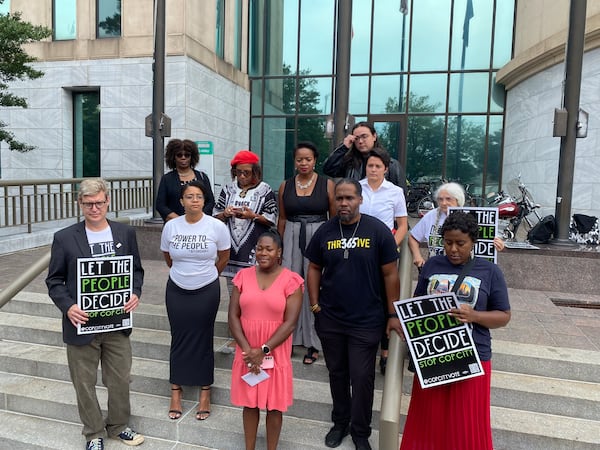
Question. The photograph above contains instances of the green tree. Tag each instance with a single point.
(111, 25)
(14, 33)
(301, 101)
(424, 137)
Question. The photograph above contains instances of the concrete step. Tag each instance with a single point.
(542, 397)
(569, 399)
(16, 434)
(24, 319)
(513, 429)
(223, 430)
(312, 399)
(154, 341)
(145, 316)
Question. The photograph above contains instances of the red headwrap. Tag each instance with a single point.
(244, 157)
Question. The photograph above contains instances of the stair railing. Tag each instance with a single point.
(391, 401)
(24, 279)
(36, 268)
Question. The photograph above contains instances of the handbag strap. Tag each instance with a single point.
(462, 275)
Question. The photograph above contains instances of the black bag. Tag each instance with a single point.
(543, 231)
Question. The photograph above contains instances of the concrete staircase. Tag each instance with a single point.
(542, 397)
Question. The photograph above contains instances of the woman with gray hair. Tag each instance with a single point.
(427, 229)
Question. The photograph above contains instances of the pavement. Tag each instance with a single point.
(538, 317)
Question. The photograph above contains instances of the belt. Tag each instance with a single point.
(304, 219)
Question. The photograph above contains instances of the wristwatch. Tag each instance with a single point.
(265, 348)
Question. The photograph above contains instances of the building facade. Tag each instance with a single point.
(423, 71)
(86, 115)
(534, 84)
(460, 89)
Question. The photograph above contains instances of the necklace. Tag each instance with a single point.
(351, 237)
(307, 185)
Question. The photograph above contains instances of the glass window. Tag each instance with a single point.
(427, 93)
(220, 29)
(256, 97)
(430, 35)
(237, 38)
(109, 18)
(310, 129)
(390, 37)
(5, 7)
(255, 22)
(256, 134)
(389, 136)
(425, 146)
(273, 150)
(468, 92)
(498, 95)
(385, 92)
(317, 18)
(64, 20)
(86, 134)
(471, 35)
(280, 96)
(313, 94)
(289, 36)
(358, 101)
(322, 98)
(503, 34)
(465, 149)
(360, 49)
(494, 156)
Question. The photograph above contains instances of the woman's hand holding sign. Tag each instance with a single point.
(464, 314)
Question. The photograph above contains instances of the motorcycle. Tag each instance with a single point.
(514, 210)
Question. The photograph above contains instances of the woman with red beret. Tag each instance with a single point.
(248, 207)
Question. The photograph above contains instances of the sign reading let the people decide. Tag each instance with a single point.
(487, 220)
(441, 347)
(104, 285)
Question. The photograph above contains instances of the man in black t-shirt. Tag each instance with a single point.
(352, 262)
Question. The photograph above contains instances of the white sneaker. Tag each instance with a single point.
(130, 437)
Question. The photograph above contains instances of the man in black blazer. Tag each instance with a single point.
(95, 237)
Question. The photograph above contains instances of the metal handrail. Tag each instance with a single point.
(24, 279)
(24, 203)
(36, 268)
(391, 401)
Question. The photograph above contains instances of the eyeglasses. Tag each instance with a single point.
(362, 137)
(183, 155)
(245, 173)
(90, 205)
(192, 197)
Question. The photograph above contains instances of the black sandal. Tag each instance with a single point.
(203, 414)
(175, 414)
(312, 354)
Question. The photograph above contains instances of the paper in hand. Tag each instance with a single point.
(254, 378)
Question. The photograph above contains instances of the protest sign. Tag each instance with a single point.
(104, 285)
(487, 219)
(441, 347)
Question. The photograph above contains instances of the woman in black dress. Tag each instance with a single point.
(305, 201)
(181, 156)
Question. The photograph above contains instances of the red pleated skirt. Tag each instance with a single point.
(454, 416)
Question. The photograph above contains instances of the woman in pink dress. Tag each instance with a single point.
(263, 312)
